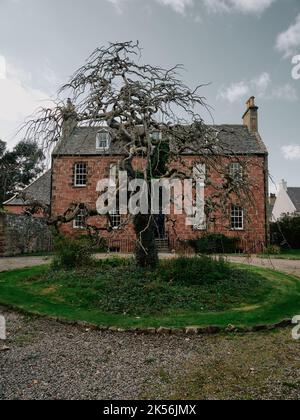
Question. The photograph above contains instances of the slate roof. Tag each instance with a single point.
(39, 190)
(294, 194)
(233, 139)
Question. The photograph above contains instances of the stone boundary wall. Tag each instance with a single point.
(21, 234)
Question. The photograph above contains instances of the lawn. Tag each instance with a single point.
(290, 254)
(179, 293)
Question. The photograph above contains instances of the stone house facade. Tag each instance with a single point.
(83, 158)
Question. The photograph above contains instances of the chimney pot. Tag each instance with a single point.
(69, 118)
(250, 118)
(284, 185)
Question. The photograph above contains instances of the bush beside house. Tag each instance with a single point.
(214, 244)
(286, 232)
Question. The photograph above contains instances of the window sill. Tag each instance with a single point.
(100, 149)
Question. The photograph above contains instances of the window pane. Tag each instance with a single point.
(102, 141)
(156, 135)
(79, 221)
(115, 220)
(80, 178)
(237, 218)
(236, 171)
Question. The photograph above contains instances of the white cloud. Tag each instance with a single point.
(117, 4)
(286, 92)
(291, 152)
(237, 91)
(289, 41)
(216, 6)
(234, 93)
(178, 6)
(243, 6)
(260, 87)
(18, 99)
(260, 84)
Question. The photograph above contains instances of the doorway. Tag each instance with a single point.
(160, 226)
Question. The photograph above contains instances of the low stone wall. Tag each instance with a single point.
(21, 234)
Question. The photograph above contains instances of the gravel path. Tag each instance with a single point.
(47, 360)
(12, 263)
(286, 266)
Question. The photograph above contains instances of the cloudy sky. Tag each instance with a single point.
(240, 47)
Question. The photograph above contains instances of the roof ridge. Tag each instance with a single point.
(37, 179)
(17, 195)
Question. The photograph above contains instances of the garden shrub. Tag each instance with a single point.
(195, 271)
(72, 253)
(285, 233)
(273, 250)
(195, 284)
(214, 244)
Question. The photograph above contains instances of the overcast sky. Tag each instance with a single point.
(241, 47)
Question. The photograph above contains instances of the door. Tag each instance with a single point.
(160, 226)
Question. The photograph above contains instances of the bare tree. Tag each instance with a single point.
(133, 100)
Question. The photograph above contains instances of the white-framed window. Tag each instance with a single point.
(80, 221)
(156, 135)
(236, 171)
(103, 140)
(80, 174)
(115, 220)
(202, 227)
(199, 171)
(237, 218)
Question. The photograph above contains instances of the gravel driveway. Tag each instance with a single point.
(47, 360)
(286, 266)
(12, 263)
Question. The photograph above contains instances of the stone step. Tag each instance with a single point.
(162, 245)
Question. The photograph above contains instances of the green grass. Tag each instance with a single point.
(178, 294)
(291, 254)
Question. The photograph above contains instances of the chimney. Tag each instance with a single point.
(250, 118)
(272, 199)
(283, 185)
(69, 119)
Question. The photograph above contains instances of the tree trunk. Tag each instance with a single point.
(146, 250)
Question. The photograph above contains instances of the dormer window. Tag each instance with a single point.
(103, 140)
(156, 135)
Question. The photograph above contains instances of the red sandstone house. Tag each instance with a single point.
(86, 156)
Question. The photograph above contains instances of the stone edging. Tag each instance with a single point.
(192, 330)
(209, 330)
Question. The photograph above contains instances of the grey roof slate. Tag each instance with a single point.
(233, 139)
(294, 194)
(39, 190)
